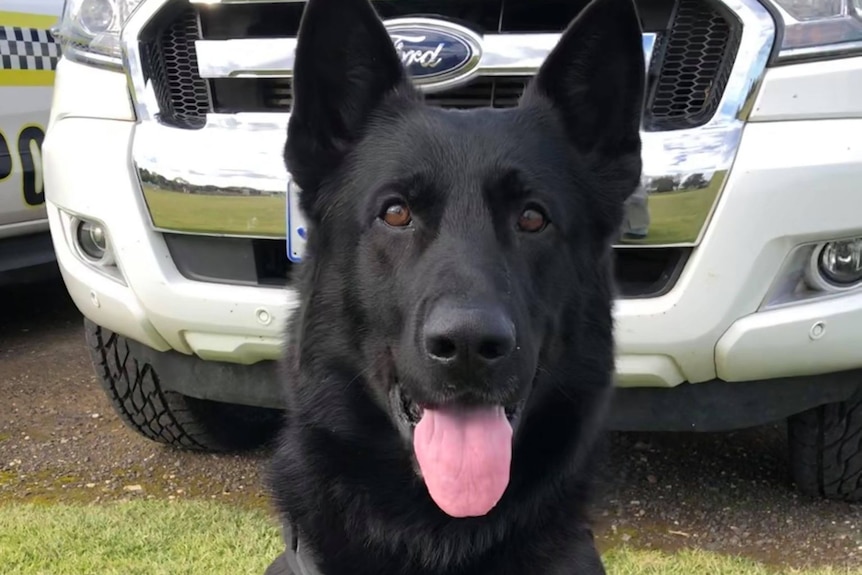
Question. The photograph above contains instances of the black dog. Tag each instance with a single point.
(451, 362)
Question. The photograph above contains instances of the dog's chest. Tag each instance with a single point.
(578, 558)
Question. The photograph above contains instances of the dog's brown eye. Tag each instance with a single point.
(532, 220)
(397, 215)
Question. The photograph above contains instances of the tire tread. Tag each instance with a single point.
(164, 416)
(826, 450)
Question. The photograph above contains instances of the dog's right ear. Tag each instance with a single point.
(594, 79)
(345, 66)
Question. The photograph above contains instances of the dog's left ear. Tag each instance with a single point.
(345, 66)
(594, 79)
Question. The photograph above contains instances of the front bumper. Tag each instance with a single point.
(146, 299)
(150, 301)
(781, 192)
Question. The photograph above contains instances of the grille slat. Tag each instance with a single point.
(495, 92)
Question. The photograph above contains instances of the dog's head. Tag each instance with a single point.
(461, 243)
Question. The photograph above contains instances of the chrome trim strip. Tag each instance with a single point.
(74, 54)
(814, 53)
(237, 158)
(502, 55)
(140, 86)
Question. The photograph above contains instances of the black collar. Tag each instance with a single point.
(295, 559)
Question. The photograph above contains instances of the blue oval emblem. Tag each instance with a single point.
(434, 51)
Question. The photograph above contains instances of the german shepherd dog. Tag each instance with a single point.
(449, 369)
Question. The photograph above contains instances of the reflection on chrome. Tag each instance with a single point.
(238, 157)
(501, 55)
(670, 210)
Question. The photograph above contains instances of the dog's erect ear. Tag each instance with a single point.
(345, 65)
(594, 78)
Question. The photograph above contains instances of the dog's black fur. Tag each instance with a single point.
(361, 140)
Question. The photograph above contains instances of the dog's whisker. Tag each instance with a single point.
(368, 370)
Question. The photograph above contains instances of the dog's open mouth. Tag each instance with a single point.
(463, 452)
(409, 413)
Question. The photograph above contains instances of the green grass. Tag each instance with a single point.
(197, 538)
(145, 537)
(207, 214)
(679, 216)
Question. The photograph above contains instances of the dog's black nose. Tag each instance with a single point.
(476, 336)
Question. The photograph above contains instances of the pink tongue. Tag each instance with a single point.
(464, 455)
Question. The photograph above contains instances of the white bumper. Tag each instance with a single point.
(153, 304)
(794, 181)
(782, 192)
(88, 173)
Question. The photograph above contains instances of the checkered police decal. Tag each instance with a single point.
(27, 49)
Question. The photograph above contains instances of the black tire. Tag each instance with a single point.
(826, 450)
(133, 388)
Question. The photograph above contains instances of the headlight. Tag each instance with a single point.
(89, 31)
(820, 29)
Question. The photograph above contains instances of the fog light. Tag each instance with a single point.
(840, 263)
(817, 270)
(92, 240)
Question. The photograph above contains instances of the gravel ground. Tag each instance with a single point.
(60, 441)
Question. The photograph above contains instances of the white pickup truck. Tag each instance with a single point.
(28, 57)
(739, 268)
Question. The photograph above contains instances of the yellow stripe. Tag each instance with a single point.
(21, 78)
(27, 20)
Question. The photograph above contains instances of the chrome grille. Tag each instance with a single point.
(693, 59)
(245, 58)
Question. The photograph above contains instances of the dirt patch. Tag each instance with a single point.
(60, 441)
(725, 492)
